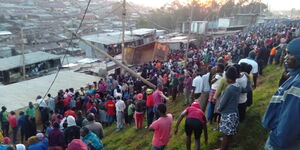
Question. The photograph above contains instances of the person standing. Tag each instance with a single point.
(282, 115)
(56, 138)
(110, 110)
(72, 131)
(91, 139)
(20, 124)
(229, 108)
(251, 61)
(158, 98)
(12, 119)
(120, 108)
(94, 126)
(4, 121)
(205, 90)
(195, 122)
(140, 108)
(162, 128)
(187, 85)
(197, 85)
(51, 102)
(149, 105)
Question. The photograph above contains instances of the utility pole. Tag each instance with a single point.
(189, 33)
(23, 56)
(123, 31)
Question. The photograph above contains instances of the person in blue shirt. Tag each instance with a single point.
(20, 123)
(283, 113)
(91, 139)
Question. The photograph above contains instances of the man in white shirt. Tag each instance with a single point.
(205, 90)
(251, 61)
(120, 107)
(197, 85)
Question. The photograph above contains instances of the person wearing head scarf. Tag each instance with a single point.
(38, 142)
(195, 122)
(72, 131)
(20, 147)
(77, 144)
(282, 115)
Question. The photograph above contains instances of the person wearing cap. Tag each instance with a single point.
(282, 115)
(251, 61)
(149, 105)
(140, 107)
(195, 122)
(5, 144)
(41, 143)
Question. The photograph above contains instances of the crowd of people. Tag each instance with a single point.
(216, 82)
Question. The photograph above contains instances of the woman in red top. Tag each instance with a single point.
(195, 122)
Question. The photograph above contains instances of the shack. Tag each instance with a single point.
(36, 64)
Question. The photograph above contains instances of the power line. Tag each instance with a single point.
(69, 44)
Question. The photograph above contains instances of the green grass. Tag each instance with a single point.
(251, 135)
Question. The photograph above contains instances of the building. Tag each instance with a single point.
(36, 64)
(111, 42)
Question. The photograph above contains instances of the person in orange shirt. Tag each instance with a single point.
(272, 55)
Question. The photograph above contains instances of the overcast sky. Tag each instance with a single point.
(274, 4)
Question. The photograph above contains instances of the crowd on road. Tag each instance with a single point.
(216, 82)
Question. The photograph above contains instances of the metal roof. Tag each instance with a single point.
(109, 38)
(17, 95)
(30, 58)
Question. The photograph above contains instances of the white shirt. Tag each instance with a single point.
(197, 83)
(251, 62)
(120, 105)
(215, 85)
(41, 103)
(242, 81)
(205, 83)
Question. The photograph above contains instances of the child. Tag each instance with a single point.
(130, 111)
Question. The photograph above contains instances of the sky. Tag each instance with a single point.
(274, 4)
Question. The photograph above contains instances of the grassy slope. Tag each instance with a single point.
(251, 135)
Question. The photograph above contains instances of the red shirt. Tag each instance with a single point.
(194, 111)
(70, 113)
(162, 129)
(12, 121)
(110, 107)
(150, 102)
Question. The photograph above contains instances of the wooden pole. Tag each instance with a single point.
(114, 60)
(123, 31)
(23, 56)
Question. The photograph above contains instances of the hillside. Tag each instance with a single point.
(251, 135)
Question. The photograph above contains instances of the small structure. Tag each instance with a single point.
(36, 64)
(111, 42)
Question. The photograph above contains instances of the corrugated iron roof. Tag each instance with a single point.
(30, 58)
